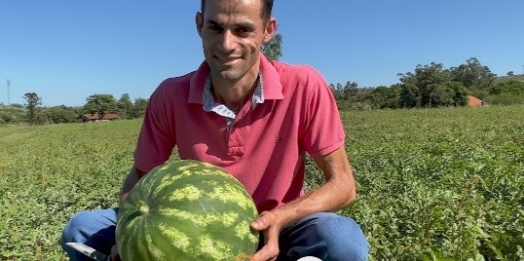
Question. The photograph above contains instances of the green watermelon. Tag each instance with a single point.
(187, 210)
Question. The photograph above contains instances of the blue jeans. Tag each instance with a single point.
(327, 236)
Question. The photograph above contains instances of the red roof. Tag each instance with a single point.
(474, 101)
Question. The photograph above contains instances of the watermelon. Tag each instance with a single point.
(187, 210)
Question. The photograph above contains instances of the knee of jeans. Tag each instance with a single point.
(72, 231)
(344, 238)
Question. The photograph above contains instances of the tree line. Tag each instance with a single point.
(432, 85)
(33, 112)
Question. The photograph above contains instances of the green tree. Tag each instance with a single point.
(125, 106)
(32, 101)
(273, 49)
(444, 95)
(513, 87)
(139, 108)
(422, 87)
(350, 90)
(337, 91)
(385, 97)
(473, 75)
(460, 92)
(100, 104)
(61, 114)
(409, 95)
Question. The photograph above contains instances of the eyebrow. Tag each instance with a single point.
(242, 24)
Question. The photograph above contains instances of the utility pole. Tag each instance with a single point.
(8, 93)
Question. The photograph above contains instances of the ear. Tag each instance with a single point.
(270, 30)
(199, 20)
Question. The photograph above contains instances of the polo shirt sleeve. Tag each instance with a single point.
(156, 139)
(324, 132)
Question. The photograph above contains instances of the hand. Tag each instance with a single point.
(114, 254)
(267, 222)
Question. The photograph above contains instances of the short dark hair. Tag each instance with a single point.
(267, 8)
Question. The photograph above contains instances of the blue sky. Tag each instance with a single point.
(66, 50)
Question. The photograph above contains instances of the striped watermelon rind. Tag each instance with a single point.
(186, 210)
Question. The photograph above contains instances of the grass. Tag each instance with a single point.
(432, 183)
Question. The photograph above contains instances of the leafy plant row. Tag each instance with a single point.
(439, 184)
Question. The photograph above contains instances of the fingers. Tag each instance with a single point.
(264, 220)
(114, 250)
(270, 250)
(114, 253)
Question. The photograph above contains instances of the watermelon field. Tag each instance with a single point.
(433, 184)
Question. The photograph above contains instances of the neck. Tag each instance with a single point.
(234, 93)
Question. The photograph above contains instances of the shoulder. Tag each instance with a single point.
(172, 89)
(301, 75)
(301, 80)
(174, 85)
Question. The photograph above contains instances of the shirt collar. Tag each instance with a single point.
(209, 103)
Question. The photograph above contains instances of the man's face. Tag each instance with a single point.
(232, 33)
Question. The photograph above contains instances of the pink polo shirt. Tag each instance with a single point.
(266, 146)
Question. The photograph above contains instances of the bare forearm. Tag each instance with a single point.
(338, 191)
(132, 178)
(332, 196)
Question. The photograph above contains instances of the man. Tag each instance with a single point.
(256, 119)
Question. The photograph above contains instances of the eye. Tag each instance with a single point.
(243, 31)
(214, 28)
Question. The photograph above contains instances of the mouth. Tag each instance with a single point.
(227, 60)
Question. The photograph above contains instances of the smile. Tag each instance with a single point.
(227, 61)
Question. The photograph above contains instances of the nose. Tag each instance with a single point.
(228, 42)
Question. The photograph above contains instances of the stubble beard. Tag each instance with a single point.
(228, 74)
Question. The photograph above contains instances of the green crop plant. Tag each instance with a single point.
(433, 184)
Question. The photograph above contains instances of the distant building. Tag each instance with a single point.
(95, 117)
(474, 101)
